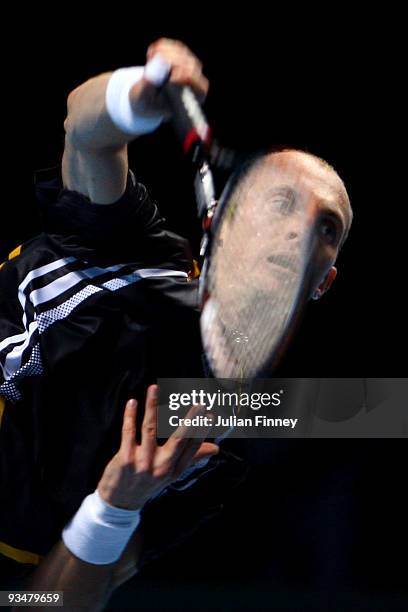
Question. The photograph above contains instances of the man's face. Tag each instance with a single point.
(286, 218)
(316, 186)
(291, 189)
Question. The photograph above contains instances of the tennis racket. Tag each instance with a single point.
(256, 247)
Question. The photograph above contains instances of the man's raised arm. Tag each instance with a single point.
(112, 109)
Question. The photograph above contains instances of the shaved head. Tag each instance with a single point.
(301, 179)
(327, 180)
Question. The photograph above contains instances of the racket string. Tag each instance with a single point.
(254, 294)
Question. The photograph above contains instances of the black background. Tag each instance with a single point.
(325, 87)
(315, 516)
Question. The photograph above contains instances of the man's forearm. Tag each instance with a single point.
(88, 124)
(84, 585)
(95, 155)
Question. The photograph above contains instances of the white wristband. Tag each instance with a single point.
(98, 532)
(117, 96)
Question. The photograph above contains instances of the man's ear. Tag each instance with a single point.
(325, 284)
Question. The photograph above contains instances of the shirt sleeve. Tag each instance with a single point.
(132, 229)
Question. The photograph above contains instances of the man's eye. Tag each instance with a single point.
(328, 231)
(286, 206)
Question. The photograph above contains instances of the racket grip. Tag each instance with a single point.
(189, 121)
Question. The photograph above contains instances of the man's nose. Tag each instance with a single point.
(302, 224)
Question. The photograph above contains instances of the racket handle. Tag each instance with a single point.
(189, 121)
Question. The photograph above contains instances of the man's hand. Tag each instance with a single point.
(135, 474)
(186, 69)
(139, 471)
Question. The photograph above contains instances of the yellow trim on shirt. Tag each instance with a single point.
(15, 252)
(22, 556)
(194, 272)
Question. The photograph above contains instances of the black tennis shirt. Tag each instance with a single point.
(91, 311)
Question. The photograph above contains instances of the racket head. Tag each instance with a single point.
(255, 279)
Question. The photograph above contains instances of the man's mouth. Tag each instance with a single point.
(285, 261)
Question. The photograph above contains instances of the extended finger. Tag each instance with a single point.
(207, 449)
(145, 453)
(194, 451)
(128, 439)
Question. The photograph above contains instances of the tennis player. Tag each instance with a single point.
(92, 312)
